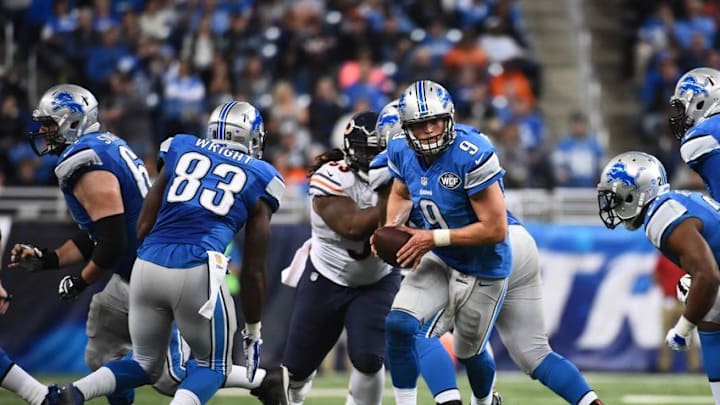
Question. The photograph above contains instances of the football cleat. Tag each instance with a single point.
(273, 389)
(53, 396)
(496, 398)
(70, 395)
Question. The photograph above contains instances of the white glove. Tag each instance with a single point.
(679, 337)
(251, 346)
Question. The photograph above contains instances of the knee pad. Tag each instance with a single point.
(401, 326)
(367, 363)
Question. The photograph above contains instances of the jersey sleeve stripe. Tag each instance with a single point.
(86, 157)
(698, 147)
(393, 169)
(324, 187)
(165, 145)
(328, 178)
(486, 171)
(276, 188)
(660, 220)
(379, 177)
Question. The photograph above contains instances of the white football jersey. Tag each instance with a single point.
(343, 261)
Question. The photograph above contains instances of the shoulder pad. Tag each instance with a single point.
(664, 215)
(70, 164)
(331, 179)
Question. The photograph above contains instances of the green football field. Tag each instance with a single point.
(516, 388)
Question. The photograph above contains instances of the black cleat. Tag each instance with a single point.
(273, 389)
(53, 396)
(70, 395)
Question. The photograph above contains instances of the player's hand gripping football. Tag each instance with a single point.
(26, 257)
(251, 345)
(415, 248)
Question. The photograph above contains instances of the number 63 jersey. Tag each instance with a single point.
(346, 262)
(442, 191)
(210, 192)
(105, 151)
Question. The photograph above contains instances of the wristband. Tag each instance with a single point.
(441, 237)
(49, 259)
(683, 327)
(253, 329)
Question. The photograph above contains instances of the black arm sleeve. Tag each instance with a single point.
(111, 241)
(84, 244)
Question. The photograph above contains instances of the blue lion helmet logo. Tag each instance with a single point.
(618, 172)
(444, 97)
(388, 119)
(401, 104)
(691, 84)
(64, 99)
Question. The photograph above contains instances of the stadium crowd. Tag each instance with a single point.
(159, 66)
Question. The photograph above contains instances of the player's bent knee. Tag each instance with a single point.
(367, 363)
(399, 324)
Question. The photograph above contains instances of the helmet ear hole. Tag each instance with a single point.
(629, 198)
(700, 105)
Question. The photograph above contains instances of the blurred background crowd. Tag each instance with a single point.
(159, 66)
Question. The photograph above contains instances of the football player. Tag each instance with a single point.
(343, 285)
(208, 190)
(695, 105)
(520, 322)
(634, 191)
(452, 176)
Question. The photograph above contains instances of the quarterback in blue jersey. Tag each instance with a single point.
(634, 191)
(462, 258)
(520, 323)
(695, 105)
(208, 190)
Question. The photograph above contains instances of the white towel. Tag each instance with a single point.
(460, 286)
(290, 276)
(217, 269)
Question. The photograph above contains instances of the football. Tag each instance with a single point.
(683, 288)
(387, 241)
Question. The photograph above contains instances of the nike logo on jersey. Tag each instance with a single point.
(477, 162)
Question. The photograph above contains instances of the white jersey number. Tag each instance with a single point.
(139, 172)
(432, 214)
(191, 168)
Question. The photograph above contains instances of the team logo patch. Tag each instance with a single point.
(449, 180)
(64, 99)
(423, 181)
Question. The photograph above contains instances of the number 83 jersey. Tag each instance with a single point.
(442, 191)
(210, 191)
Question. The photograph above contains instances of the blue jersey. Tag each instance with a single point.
(210, 191)
(380, 177)
(700, 149)
(442, 191)
(671, 208)
(105, 151)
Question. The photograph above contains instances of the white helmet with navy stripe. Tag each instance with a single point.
(388, 123)
(65, 113)
(696, 97)
(238, 125)
(629, 183)
(422, 101)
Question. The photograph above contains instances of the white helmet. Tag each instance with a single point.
(388, 123)
(628, 183)
(238, 125)
(696, 97)
(73, 109)
(422, 101)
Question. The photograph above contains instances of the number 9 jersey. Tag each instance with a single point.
(343, 261)
(210, 191)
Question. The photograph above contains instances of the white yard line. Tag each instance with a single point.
(666, 399)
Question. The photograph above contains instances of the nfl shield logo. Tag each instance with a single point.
(423, 181)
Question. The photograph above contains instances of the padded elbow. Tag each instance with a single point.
(111, 240)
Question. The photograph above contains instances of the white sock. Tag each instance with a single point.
(715, 388)
(185, 397)
(238, 378)
(405, 396)
(448, 395)
(24, 385)
(367, 389)
(96, 384)
(588, 398)
(484, 401)
(299, 389)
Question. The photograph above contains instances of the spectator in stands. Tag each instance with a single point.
(666, 276)
(184, 102)
(578, 156)
(325, 109)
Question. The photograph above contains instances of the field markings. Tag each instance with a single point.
(667, 399)
(314, 393)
